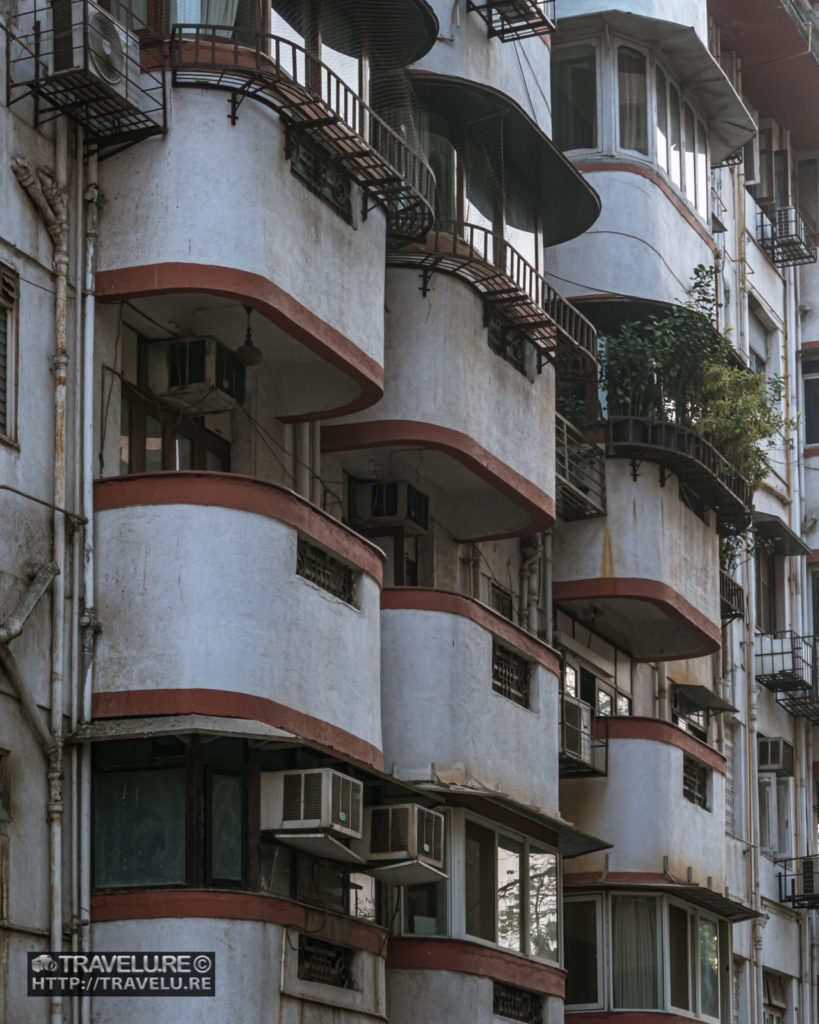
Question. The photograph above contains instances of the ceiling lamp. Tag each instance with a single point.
(248, 354)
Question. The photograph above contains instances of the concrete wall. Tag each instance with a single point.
(179, 612)
(177, 199)
(640, 808)
(464, 50)
(443, 720)
(683, 12)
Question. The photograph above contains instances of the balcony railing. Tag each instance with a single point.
(509, 284)
(787, 234)
(783, 661)
(308, 96)
(799, 881)
(76, 59)
(580, 469)
(731, 598)
(515, 19)
(695, 462)
(584, 743)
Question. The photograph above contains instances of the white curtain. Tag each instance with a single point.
(635, 953)
(631, 83)
(203, 12)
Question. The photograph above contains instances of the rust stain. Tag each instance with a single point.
(607, 558)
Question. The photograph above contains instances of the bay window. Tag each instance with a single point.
(636, 953)
(693, 945)
(574, 97)
(632, 92)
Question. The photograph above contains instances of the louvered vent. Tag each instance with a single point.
(430, 835)
(346, 802)
(302, 797)
(406, 831)
(808, 878)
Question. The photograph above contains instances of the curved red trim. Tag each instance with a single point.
(430, 600)
(636, 728)
(810, 451)
(273, 302)
(473, 958)
(617, 878)
(246, 494)
(386, 433)
(153, 904)
(704, 632)
(627, 1017)
(813, 557)
(229, 704)
(646, 172)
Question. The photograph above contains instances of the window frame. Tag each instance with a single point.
(599, 71)
(602, 958)
(694, 916)
(778, 817)
(10, 303)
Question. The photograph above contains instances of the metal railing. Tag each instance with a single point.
(784, 661)
(799, 881)
(692, 458)
(787, 234)
(731, 597)
(515, 19)
(508, 282)
(580, 469)
(584, 739)
(307, 94)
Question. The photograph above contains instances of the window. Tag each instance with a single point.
(695, 782)
(633, 99)
(510, 675)
(774, 815)
(511, 892)
(500, 600)
(773, 998)
(693, 947)
(757, 341)
(8, 351)
(574, 98)
(582, 952)
(689, 716)
(731, 802)
(810, 377)
(765, 564)
(636, 953)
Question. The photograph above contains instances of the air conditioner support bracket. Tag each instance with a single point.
(635, 469)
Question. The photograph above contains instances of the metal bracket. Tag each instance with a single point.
(635, 465)
(426, 274)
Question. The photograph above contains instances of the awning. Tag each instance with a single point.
(687, 57)
(771, 528)
(703, 697)
(718, 903)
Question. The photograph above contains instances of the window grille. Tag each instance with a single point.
(510, 675)
(516, 1003)
(8, 297)
(325, 962)
(508, 344)
(326, 572)
(500, 600)
(695, 782)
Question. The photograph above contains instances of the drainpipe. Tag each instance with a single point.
(89, 621)
(302, 449)
(315, 464)
(753, 795)
(48, 193)
(530, 549)
(548, 572)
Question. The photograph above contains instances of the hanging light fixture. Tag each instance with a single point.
(248, 354)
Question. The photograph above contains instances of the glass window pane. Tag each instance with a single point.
(635, 960)
(580, 942)
(275, 868)
(702, 171)
(321, 883)
(690, 172)
(425, 909)
(139, 835)
(662, 121)
(812, 410)
(678, 949)
(125, 436)
(674, 136)
(543, 936)
(709, 968)
(214, 463)
(633, 101)
(574, 98)
(184, 452)
(479, 868)
(509, 902)
(225, 827)
(363, 897)
(153, 445)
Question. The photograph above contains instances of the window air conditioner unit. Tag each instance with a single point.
(775, 755)
(404, 844)
(88, 40)
(318, 810)
(807, 876)
(198, 376)
(395, 503)
(577, 729)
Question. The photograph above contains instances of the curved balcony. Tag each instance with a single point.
(311, 99)
(472, 699)
(692, 460)
(650, 768)
(639, 575)
(205, 582)
(456, 418)
(508, 284)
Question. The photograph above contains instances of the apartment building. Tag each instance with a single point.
(355, 633)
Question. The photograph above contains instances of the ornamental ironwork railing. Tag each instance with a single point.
(510, 674)
(315, 565)
(580, 471)
(309, 96)
(510, 286)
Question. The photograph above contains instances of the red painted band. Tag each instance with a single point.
(813, 557)
(676, 201)
(473, 958)
(246, 494)
(635, 728)
(811, 451)
(386, 433)
(429, 600)
(707, 634)
(153, 904)
(617, 878)
(277, 305)
(227, 704)
(810, 344)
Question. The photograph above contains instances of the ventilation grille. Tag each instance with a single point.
(325, 962)
(389, 829)
(302, 797)
(326, 572)
(346, 802)
(510, 675)
(517, 1003)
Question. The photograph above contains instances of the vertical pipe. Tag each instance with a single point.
(316, 495)
(548, 566)
(302, 458)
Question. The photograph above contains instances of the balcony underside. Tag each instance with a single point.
(645, 617)
(476, 496)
